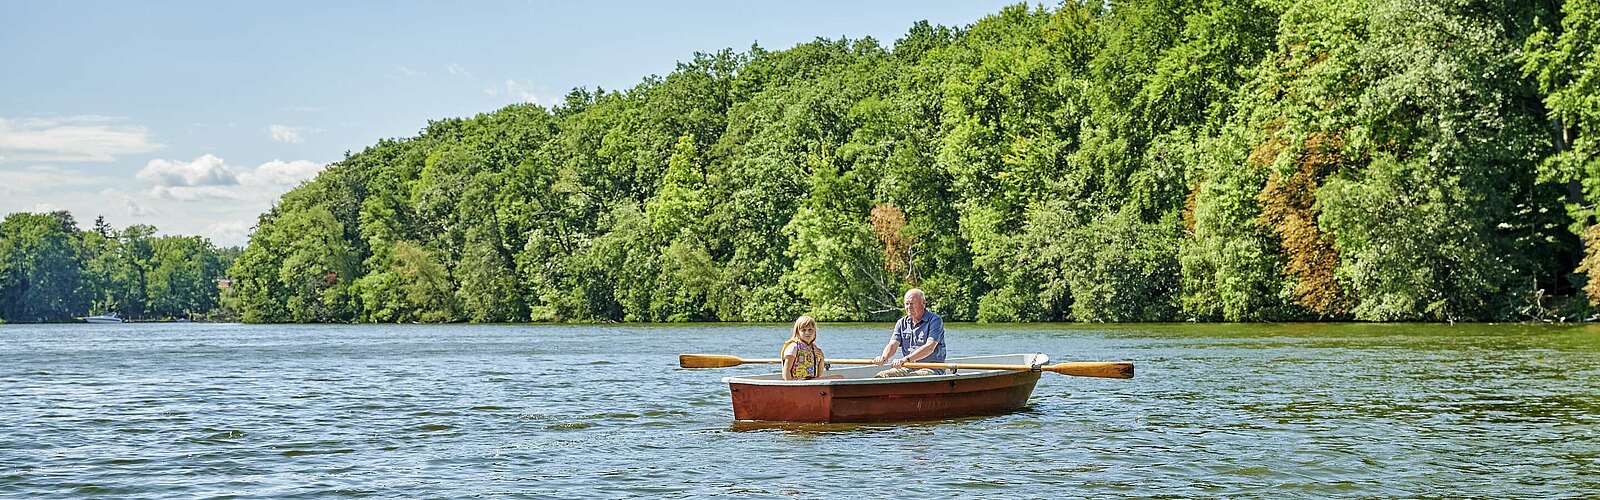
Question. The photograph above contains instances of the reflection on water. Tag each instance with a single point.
(801, 428)
(447, 411)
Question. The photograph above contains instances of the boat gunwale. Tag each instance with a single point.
(1037, 358)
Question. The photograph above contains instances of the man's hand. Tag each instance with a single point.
(878, 360)
(900, 363)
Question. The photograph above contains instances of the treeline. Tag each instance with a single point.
(1265, 160)
(52, 271)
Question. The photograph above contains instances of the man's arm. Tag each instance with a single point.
(888, 351)
(921, 352)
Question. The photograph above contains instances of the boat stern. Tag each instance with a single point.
(795, 403)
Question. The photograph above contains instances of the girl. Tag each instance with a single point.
(802, 359)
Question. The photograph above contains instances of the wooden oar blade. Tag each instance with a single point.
(1101, 369)
(708, 361)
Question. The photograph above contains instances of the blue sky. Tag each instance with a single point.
(196, 116)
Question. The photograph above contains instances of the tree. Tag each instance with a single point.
(42, 276)
(838, 268)
(1565, 61)
(317, 268)
(182, 279)
(1149, 160)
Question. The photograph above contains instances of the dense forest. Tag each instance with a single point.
(50, 270)
(1210, 160)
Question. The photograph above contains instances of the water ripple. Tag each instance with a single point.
(198, 410)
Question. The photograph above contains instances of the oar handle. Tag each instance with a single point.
(724, 361)
(848, 361)
(1102, 369)
(831, 361)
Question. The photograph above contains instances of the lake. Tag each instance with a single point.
(1316, 410)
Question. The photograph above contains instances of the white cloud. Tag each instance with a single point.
(211, 178)
(207, 170)
(523, 92)
(108, 198)
(134, 209)
(231, 232)
(131, 208)
(223, 213)
(456, 69)
(71, 139)
(286, 134)
(279, 173)
(409, 72)
(42, 178)
(195, 193)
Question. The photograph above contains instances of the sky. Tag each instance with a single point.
(195, 117)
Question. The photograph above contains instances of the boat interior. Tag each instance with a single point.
(851, 374)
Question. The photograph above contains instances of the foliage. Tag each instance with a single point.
(1154, 160)
(1591, 263)
(52, 271)
(1564, 58)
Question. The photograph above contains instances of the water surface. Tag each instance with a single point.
(185, 410)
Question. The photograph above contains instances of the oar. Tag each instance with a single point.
(724, 361)
(1102, 369)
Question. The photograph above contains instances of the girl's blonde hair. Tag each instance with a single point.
(802, 323)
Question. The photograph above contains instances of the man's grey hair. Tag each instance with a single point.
(916, 292)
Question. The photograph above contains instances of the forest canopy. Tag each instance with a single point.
(1375, 160)
(51, 271)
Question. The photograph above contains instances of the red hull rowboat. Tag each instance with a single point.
(860, 398)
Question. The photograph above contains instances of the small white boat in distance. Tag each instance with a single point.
(104, 318)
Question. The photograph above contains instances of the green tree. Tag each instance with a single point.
(182, 279)
(114, 268)
(1132, 161)
(838, 265)
(1565, 61)
(317, 267)
(41, 278)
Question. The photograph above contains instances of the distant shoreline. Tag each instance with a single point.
(1582, 321)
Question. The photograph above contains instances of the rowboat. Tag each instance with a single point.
(858, 397)
(105, 318)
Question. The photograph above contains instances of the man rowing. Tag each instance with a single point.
(919, 336)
